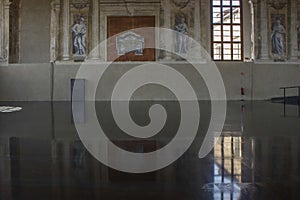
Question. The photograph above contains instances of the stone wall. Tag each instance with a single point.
(41, 42)
(35, 31)
(32, 82)
(44, 30)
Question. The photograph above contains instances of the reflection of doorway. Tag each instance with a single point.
(14, 31)
(131, 145)
(119, 24)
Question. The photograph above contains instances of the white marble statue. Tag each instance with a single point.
(278, 39)
(79, 37)
(181, 43)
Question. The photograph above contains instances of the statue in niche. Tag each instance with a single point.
(79, 31)
(181, 28)
(278, 38)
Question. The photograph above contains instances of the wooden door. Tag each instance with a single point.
(120, 24)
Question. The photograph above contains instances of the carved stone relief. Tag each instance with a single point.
(277, 4)
(181, 3)
(80, 4)
(130, 42)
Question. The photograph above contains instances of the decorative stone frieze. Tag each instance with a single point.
(278, 4)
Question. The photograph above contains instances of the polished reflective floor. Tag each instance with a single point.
(256, 157)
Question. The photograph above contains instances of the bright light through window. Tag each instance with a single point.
(227, 30)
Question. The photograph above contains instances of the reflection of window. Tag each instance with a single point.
(226, 30)
(228, 167)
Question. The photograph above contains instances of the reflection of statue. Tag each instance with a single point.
(181, 29)
(79, 37)
(278, 38)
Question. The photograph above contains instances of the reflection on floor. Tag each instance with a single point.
(8, 109)
(257, 156)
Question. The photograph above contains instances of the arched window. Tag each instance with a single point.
(226, 25)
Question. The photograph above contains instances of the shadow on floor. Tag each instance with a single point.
(291, 100)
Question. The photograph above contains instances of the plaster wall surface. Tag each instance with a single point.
(22, 82)
(35, 31)
(32, 82)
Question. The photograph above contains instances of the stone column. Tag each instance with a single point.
(53, 31)
(253, 7)
(206, 22)
(95, 38)
(167, 41)
(65, 36)
(2, 59)
(264, 37)
(4, 31)
(197, 27)
(167, 14)
(293, 32)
